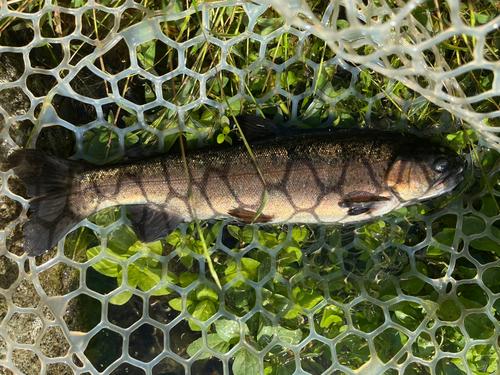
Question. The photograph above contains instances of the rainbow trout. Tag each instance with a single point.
(332, 177)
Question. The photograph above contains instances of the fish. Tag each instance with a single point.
(322, 177)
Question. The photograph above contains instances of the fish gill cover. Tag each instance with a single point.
(413, 292)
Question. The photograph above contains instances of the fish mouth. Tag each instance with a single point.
(450, 181)
(453, 182)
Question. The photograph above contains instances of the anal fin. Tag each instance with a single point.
(152, 222)
(247, 216)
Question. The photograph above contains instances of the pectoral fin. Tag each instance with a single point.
(151, 222)
(247, 217)
(360, 202)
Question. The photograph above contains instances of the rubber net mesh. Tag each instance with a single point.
(415, 292)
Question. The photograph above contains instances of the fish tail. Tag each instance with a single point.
(49, 183)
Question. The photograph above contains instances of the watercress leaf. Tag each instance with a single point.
(105, 217)
(288, 272)
(204, 292)
(489, 206)
(194, 327)
(445, 237)
(249, 268)
(330, 317)
(230, 270)
(170, 141)
(268, 30)
(133, 275)
(299, 235)
(309, 298)
(204, 310)
(217, 343)
(289, 255)
(212, 233)
(234, 231)
(162, 292)
(279, 302)
(121, 240)
(245, 363)
(187, 278)
(195, 347)
(149, 93)
(186, 260)
(131, 139)
(229, 330)
(366, 78)
(176, 304)
(104, 266)
(342, 24)
(473, 225)
(479, 326)
(486, 244)
(247, 234)
(143, 279)
(414, 285)
(213, 341)
(291, 78)
(146, 57)
(481, 18)
(292, 314)
(207, 116)
(448, 311)
(240, 296)
(121, 299)
(265, 335)
(268, 239)
(224, 121)
(155, 247)
(172, 277)
(335, 238)
(289, 336)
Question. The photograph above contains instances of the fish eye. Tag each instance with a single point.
(441, 165)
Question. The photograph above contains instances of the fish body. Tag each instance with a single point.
(311, 178)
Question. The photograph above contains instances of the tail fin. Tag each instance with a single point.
(49, 181)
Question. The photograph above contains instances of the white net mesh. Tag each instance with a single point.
(416, 292)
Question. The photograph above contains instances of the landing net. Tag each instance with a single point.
(414, 292)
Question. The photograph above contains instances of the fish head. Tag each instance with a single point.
(424, 172)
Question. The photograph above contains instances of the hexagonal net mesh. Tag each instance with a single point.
(414, 292)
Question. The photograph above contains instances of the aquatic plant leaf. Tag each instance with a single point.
(245, 363)
(121, 299)
(249, 268)
(214, 341)
(205, 292)
(104, 266)
(187, 278)
(229, 330)
(204, 310)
